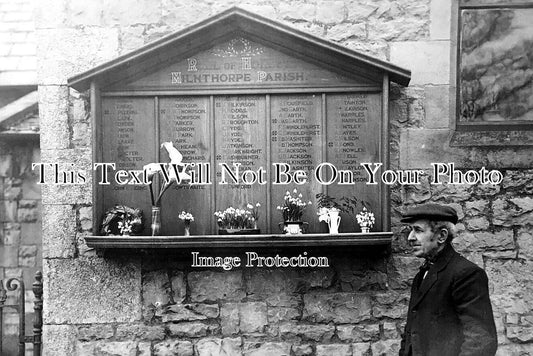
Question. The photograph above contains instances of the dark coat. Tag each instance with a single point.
(450, 314)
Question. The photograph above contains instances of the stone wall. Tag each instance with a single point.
(20, 226)
(141, 304)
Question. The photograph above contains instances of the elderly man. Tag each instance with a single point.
(449, 312)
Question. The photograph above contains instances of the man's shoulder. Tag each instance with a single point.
(462, 266)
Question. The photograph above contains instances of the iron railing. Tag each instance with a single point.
(11, 285)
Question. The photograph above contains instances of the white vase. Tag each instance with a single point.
(365, 229)
(334, 222)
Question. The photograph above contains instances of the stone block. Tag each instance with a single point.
(49, 13)
(267, 349)
(131, 38)
(360, 12)
(155, 291)
(84, 13)
(390, 331)
(317, 278)
(421, 147)
(358, 333)
(520, 334)
(123, 14)
(437, 107)
(59, 231)
(440, 20)
(8, 211)
(278, 314)
(513, 212)
(278, 286)
(302, 350)
(85, 218)
(330, 12)
(140, 331)
(212, 286)
(476, 207)
(515, 349)
(525, 244)
(386, 347)
(53, 113)
(402, 270)
(219, 347)
(336, 307)
(192, 329)
(377, 49)
(59, 340)
(144, 349)
(477, 223)
(72, 285)
(64, 51)
(95, 332)
(344, 31)
(6, 165)
(28, 215)
(333, 349)
(77, 160)
(361, 349)
(11, 234)
(391, 305)
(28, 255)
(8, 256)
(173, 348)
(305, 12)
(429, 61)
(190, 312)
(520, 181)
(179, 287)
(398, 29)
(314, 332)
(243, 317)
(115, 348)
(362, 281)
(510, 283)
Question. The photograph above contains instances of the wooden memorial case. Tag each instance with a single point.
(241, 88)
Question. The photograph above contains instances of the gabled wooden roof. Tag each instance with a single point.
(222, 27)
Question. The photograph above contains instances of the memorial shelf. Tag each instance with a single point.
(238, 88)
(372, 239)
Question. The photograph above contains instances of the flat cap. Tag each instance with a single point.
(430, 211)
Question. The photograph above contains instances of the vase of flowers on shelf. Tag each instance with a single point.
(238, 221)
(366, 220)
(328, 211)
(171, 173)
(292, 211)
(187, 218)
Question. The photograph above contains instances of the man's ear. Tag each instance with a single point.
(443, 235)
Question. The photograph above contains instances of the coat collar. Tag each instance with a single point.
(442, 260)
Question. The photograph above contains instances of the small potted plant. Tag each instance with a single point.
(187, 218)
(292, 211)
(366, 220)
(122, 220)
(238, 221)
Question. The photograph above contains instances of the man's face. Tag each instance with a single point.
(422, 239)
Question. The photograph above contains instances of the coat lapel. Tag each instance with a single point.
(433, 273)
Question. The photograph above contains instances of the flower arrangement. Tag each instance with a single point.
(171, 172)
(293, 207)
(122, 220)
(254, 210)
(326, 205)
(186, 217)
(365, 219)
(239, 219)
